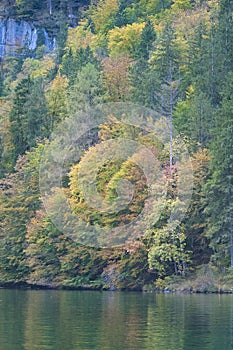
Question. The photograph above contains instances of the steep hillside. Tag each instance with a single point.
(136, 192)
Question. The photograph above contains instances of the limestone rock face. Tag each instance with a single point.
(18, 35)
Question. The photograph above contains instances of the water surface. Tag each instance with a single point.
(84, 320)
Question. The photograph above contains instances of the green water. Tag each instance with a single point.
(83, 320)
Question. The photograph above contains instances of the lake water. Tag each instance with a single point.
(83, 320)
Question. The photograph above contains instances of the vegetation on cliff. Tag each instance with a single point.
(174, 57)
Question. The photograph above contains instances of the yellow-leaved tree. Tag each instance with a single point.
(57, 99)
(102, 15)
(125, 40)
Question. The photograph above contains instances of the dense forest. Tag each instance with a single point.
(174, 58)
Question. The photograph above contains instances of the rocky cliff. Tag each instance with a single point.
(19, 36)
(24, 25)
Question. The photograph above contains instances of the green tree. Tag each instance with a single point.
(121, 17)
(225, 35)
(167, 240)
(144, 82)
(43, 242)
(19, 198)
(28, 116)
(87, 89)
(72, 62)
(219, 189)
(147, 40)
(195, 222)
(205, 66)
(194, 117)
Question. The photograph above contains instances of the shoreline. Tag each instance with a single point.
(206, 279)
(26, 286)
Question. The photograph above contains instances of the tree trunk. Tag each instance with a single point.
(231, 234)
(49, 5)
(171, 114)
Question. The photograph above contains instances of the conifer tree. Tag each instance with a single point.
(28, 116)
(219, 189)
